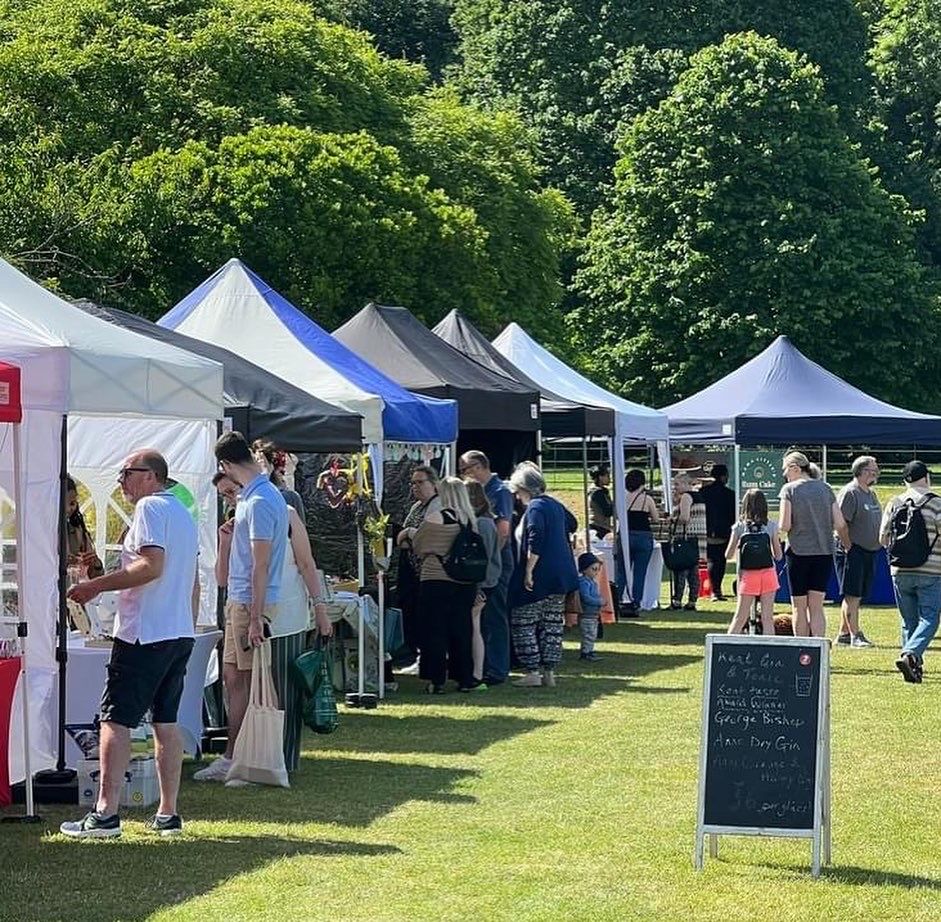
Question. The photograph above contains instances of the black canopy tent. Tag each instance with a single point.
(496, 413)
(260, 404)
(560, 417)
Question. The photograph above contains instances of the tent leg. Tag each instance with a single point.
(585, 491)
(824, 456)
(381, 678)
(738, 479)
(62, 652)
(361, 574)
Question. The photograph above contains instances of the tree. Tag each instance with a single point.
(741, 211)
(418, 31)
(906, 60)
(557, 62)
(144, 143)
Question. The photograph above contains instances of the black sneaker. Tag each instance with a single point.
(93, 826)
(165, 825)
(910, 668)
(589, 657)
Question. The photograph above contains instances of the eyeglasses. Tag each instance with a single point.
(122, 474)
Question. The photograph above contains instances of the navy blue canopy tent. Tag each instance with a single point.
(780, 397)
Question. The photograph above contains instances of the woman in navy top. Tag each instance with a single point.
(545, 571)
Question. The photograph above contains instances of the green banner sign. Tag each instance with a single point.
(761, 470)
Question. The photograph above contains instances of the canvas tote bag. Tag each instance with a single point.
(259, 750)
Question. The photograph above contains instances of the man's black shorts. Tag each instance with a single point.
(808, 573)
(142, 676)
(858, 568)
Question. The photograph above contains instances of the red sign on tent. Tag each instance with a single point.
(11, 409)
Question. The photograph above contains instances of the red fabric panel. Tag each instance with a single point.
(11, 409)
(9, 673)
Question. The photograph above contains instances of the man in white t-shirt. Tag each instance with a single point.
(153, 639)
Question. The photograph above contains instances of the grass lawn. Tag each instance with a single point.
(527, 804)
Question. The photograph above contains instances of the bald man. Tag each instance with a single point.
(153, 639)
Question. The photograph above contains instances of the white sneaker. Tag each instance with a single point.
(409, 670)
(238, 783)
(214, 772)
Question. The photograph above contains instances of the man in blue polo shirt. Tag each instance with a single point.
(495, 620)
(258, 542)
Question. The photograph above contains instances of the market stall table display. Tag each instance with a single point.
(88, 669)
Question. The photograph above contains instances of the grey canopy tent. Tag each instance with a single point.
(496, 414)
(561, 418)
(260, 404)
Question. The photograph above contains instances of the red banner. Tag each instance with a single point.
(11, 408)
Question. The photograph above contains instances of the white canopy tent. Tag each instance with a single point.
(633, 423)
(91, 391)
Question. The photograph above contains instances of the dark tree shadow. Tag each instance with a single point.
(863, 877)
(385, 731)
(346, 792)
(133, 877)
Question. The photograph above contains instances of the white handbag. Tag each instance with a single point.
(258, 755)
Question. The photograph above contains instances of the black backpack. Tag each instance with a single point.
(909, 547)
(754, 549)
(467, 560)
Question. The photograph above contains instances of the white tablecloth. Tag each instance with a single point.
(85, 681)
(654, 572)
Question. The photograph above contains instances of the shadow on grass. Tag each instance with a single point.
(385, 731)
(579, 683)
(346, 792)
(863, 877)
(133, 877)
(869, 877)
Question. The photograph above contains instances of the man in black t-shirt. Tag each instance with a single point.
(719, 500)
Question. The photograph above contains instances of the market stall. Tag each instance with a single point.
(91, 391)
(781, 398)
(496, 414)
(634, 424)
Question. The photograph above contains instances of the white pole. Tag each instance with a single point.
(738, 489)
(825, 463)
(381, 576)
(585, 491)
(20, 502)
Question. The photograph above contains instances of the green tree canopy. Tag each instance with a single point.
(556, 61)
(150, 140)
(741, 211)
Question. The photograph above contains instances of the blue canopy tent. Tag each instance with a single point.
(237, 310)
(780, 397)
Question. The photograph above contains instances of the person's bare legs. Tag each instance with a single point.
(801, 619)
(767, 614)
(740, 618)
(850, 609)
(818, 620)
(168, 748)
(237, 686)
(115, 753)
(477, 642)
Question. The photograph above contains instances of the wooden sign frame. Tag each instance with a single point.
(820, 832)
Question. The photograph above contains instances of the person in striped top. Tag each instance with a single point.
(917, 589)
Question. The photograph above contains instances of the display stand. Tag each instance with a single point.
(765, 751)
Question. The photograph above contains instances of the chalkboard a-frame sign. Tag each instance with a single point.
(765, 753)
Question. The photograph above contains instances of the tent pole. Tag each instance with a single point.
(738, 488)
(361, 574)
(62, 651)
(824, 451)
(585, 490)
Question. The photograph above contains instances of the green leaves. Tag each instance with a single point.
(742, 211)
(148, 142)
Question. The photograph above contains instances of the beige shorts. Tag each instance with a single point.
(237, 617)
